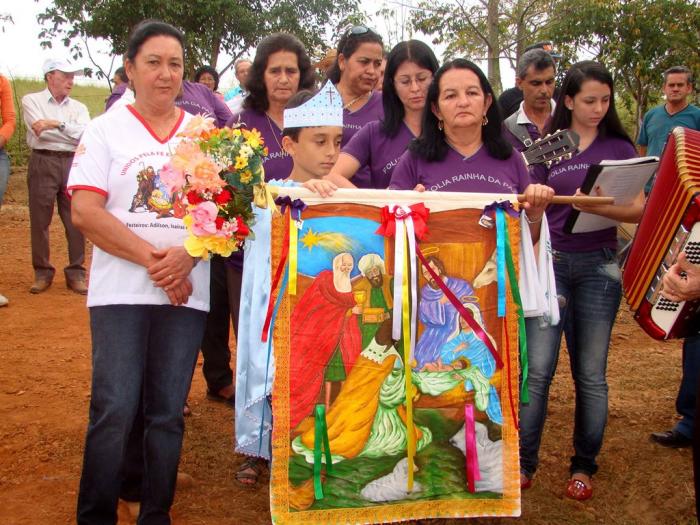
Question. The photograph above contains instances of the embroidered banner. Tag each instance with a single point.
(340, 387)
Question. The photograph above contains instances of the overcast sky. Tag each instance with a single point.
(22, 56)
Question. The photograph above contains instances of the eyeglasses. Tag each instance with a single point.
(420, 79)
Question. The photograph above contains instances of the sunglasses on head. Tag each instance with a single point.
(358, 30)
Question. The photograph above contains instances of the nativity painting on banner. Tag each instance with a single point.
(396, 381)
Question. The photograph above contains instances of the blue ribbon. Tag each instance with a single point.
(283, 287)
(501, 259)
(296, 206)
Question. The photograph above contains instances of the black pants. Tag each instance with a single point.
(215, 350)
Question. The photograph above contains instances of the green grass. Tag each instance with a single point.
(92, 96)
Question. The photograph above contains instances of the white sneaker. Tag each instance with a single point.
(4, 301)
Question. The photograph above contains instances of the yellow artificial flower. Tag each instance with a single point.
(241, 162)
(196, 247)
(221, 245)
(246, 177)
(254, 139)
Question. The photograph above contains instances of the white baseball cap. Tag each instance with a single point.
(60, 64)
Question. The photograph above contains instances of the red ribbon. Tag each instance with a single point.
(276, 280)
(418, 212)
(463, 312)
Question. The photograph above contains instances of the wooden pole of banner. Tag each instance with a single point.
(572, 199)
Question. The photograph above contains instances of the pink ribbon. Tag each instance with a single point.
(473, 473)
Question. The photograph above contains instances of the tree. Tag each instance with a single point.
(483, 29)
(635, 39)
(210, 26)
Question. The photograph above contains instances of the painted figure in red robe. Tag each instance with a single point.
(324, 323)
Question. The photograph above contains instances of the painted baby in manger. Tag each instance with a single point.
(394, 326)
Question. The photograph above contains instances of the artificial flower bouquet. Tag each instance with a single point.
(215, 171)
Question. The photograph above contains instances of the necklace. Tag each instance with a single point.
(349, 104)
(274, 133)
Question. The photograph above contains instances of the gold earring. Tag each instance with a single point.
(485, 120)
(440, 125)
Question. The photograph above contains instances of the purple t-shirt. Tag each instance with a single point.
(115, 95)
(198, 99)
(278, 164)
(568, 175)
(480, 173)
(353, 122)
(373, 148)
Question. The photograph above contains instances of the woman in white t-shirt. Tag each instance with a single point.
(147, 297)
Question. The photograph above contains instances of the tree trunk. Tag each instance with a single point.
(521, 30)
(214, 52)
(642, 103)
(493, 47)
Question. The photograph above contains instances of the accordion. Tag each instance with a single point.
(670, 225)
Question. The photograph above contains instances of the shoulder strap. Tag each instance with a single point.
(519, 130)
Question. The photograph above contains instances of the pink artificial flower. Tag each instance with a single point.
(197, 126)
(173, 178)
(204, 219)
(205, 176)
(227, 229)
(187, 156)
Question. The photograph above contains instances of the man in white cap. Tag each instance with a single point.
(55, 123)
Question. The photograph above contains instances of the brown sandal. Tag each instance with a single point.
(248, 473)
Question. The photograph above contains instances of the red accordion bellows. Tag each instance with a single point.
(670, 225)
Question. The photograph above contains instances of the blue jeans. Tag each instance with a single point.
(142, 356)
(687, 393)
(589, 289)
(4, 173)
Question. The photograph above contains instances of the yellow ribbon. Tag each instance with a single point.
(264, 197)
(407, 352)
(293, 231)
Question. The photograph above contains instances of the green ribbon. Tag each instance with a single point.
(320, 438)
(515, 293)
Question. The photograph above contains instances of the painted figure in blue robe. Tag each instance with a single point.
(436, 312)
(465, 345)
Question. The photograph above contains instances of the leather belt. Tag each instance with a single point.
(52, 153)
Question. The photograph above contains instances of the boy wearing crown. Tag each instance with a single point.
(313, 127)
